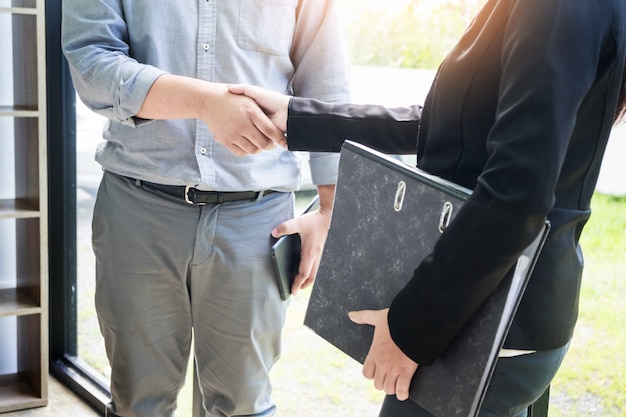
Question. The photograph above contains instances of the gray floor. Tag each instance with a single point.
(61, 402)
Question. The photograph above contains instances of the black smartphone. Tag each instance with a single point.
(286, 257)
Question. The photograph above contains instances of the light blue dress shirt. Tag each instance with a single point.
(118, 48)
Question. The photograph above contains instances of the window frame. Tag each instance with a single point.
(61, 116)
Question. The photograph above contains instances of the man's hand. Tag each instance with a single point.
(235, 121)
(391, 370)
(313, 230)
(274, 104)
(238, 123)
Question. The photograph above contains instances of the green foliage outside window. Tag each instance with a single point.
(405, 33)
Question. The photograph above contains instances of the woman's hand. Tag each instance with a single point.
(391, 370)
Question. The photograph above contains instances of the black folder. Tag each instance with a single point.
(387, 217)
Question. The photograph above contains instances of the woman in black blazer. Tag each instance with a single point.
(520, 111)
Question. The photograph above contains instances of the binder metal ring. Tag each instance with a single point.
(446, 215)
(399, 199)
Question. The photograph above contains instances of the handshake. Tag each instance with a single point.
(269, 117)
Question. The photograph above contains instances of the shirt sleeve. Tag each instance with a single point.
(322, 69)
(94, 38)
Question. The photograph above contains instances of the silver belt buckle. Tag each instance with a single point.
(187, 188)
(193, 203)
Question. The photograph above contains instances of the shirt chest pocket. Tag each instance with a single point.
(266, 25)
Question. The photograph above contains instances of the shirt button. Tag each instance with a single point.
(203, 151)
(206, 46)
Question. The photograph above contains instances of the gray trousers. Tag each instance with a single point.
(165, 269)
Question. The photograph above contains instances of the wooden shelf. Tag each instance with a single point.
(19, 6)
(18, 10)
(17, 394)
(14, 302)
(18, 111)
(17, 209)
(27, 302)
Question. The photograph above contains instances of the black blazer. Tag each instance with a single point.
(520, 111)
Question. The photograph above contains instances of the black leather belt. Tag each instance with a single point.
(199, 197)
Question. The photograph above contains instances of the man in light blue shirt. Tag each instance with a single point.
(194, 185)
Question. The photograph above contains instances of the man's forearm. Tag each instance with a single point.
(178, 97)
(235, 121)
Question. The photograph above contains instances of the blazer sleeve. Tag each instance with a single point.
(317, 126)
